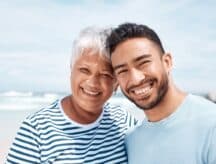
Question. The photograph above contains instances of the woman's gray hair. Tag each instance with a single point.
(91, 40)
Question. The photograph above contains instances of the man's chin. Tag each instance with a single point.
(138, 103)
(147, 103)
(144, 106)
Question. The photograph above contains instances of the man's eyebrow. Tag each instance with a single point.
(135, 60)
(118, 66)
(142, 57)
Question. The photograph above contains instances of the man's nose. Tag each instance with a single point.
(136, 76)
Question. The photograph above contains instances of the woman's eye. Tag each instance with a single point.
(106, 75)
(84, 70)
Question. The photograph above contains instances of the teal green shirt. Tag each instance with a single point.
(188, 136)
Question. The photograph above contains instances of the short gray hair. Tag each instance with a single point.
(90, 39)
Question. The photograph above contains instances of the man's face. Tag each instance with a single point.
(92, 82)
(141, 71)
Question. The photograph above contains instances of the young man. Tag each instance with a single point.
(179, 127)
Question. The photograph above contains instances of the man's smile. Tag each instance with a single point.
(142, 91)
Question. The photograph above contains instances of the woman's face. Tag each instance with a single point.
(92, 82)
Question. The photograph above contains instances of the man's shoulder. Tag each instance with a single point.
(201, 102)
(203, 109)
(134, 133)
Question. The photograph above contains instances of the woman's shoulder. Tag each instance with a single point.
(114, 109)
(45, 112)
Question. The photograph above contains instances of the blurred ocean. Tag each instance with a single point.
(15, 106)
(19, 101)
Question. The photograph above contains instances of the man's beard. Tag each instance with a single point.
(161, 92)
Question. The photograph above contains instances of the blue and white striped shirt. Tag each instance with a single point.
(49, 136)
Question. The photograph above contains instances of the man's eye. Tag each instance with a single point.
(143, 63)
(121, 71)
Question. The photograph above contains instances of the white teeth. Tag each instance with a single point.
(91, 92)
(142, 91)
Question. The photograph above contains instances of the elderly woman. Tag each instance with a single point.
(79, 128)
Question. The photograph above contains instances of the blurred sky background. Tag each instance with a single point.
(36, 38)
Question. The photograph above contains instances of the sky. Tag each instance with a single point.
(36, 38)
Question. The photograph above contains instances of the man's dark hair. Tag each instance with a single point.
(131, 30)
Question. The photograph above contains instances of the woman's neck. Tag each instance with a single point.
(76, 113)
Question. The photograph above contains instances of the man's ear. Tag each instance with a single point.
(167, 61)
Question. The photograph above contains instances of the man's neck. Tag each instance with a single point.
(169, 104)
